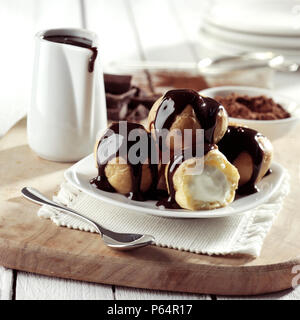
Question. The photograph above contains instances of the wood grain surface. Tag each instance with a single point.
(32, 244)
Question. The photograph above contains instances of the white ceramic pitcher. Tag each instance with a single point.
(68, 107)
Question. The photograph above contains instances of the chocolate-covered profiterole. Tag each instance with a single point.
(186, 109)
(171, 168)
(250, 152)
(137, 181)
(78, 42)
(212, 185)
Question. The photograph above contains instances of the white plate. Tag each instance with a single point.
(274, 17)
(81, 172)
(254, 40)
(223, 46)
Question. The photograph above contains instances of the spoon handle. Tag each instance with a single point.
(107, 235)
(155, 65)
(35, 196)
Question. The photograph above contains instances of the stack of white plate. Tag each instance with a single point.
(253, 25)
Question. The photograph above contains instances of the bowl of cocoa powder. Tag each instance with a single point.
(261, 109)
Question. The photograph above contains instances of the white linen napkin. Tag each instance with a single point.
(238, 234)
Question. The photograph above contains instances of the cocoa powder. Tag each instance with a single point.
(252, 108)
(179, 80)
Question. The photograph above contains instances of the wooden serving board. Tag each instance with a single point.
(36, 245)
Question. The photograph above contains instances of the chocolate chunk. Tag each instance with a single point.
(115, 101)
(138, 114)
(117, 113)
(146, 101)
(117, 84)
(121, 96)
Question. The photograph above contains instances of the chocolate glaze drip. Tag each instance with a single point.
(240, 139)
(174, 102)
(268, 172)
(79, 42)
(101, 181)
(174, 164)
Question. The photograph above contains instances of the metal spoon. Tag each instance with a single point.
(215, 66)
(115, 240)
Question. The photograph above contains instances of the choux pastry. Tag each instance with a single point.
(116, 171)
(250, 152)
(184, 109)
(211, 187)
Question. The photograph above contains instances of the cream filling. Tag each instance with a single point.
(210, 186)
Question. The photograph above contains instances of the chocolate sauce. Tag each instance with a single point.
(174, 102)
(175, 162)
(110, 149)
(268, 172)
(78, 42)
(240, 139)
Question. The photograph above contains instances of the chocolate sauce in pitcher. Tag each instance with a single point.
(78, 42)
